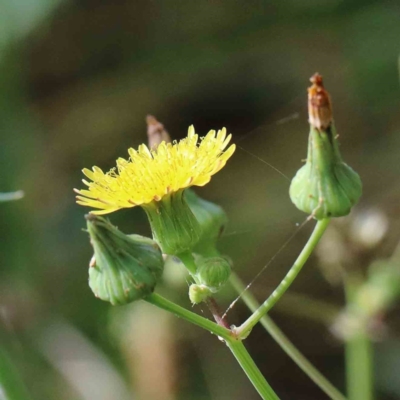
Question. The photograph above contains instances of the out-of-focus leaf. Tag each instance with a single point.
(18, 17)
(81, 363)
(11, 385)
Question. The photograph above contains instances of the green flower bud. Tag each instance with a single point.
(213, 272)
(125, 268)
(199, 293)
(325, 186)
(174, 226)
(212, 219)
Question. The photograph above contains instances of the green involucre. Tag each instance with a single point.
(174, 226)
(325, 186)
(213, 272)
(126, 268)
(212, 219)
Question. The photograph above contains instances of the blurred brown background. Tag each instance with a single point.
(77, 79)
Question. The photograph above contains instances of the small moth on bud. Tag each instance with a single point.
(325, 186)
(319, 104)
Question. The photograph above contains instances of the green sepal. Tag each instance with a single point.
(212, 272)
(199, 293)
(212, 219)
(325, 186)
(174, 226)
(125, 268)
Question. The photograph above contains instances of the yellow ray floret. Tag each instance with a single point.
(149, 175)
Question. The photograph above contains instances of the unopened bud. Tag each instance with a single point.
(325, 186)
(124, 268)
(213, 272)
(199, 293)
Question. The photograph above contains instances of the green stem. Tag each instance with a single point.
(181, 312)
(287, 346)
(250, 368)
(236, 346)
(188, 262)
(359, 368)
(247, 326)
(359, 358)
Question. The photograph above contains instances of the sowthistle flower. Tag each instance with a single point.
(155, 179)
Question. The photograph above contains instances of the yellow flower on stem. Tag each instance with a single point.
(149, 175)
(155, 179)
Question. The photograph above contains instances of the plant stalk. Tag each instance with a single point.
(192, 317)
(251, 370)
(243, 330)
(359, 369)
(358, 356)
(287, 346)
(236, 346)
(188, 262)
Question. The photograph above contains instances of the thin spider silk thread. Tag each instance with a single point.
(281, 121)
(272, 259)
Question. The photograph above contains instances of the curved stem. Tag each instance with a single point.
(247, 326)
(236, 346)
(250, 368)
(192, 317)
(287, 346)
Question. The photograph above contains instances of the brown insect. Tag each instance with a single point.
(319, 104)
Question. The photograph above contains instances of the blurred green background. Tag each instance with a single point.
(77, 79)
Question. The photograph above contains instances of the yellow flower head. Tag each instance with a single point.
(149, 175)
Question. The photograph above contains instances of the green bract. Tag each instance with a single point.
(126, 268)
(325, 186)
(212, 219)
(174, 226)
